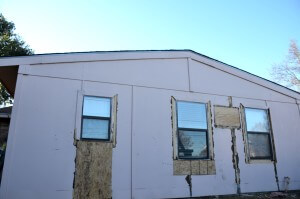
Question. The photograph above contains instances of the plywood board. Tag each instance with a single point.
(195, 167)
(211, 168)
(93, 170)
(181, 167)
(227, 117)
(203, 167)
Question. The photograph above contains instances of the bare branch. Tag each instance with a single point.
(288, 72)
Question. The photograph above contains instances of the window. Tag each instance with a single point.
(192, 138)
(96, 118)
(258, 134)
(192, 130)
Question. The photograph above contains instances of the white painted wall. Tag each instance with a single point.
(40, 153)
(286, 129)
(152, 149)
(255, 177)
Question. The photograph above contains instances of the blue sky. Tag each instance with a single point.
(251, 35)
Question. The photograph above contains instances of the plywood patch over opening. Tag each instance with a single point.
(194, 167)
(93, 170)
(227, 117)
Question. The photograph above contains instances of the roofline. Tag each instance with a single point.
(185, 53)
(245, 71)
(109, 51)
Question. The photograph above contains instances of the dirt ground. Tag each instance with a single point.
(266, 195)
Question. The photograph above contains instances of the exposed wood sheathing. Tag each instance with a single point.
(227, 117)
(235, 161)
(93, 170)
(243, 125)
(203, 167)
(113, 127)
(211, 168)
(194, 167)
(235, 155)
(174, 127)
(182, 167)
(210, 132)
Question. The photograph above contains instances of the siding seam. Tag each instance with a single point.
(131, 160)
(140, 86)
(188, 67)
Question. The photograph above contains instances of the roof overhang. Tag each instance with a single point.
(8, 78)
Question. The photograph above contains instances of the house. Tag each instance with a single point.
(145, 124)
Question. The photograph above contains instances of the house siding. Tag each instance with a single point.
(41, 160)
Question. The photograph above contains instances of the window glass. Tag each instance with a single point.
(257, 120)
(192, 144)
(259, 145)
(96, 118)
(95, 128)
(192, 130)
(191, 115)
(258, 133)
(96, 106)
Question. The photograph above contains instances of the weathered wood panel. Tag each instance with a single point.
(226, 117)
(203, 167)
(181, 167)
(211, 168)
(194, 167)
(93, 170)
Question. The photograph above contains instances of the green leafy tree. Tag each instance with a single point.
(10, 45)
(4, 95)
(288, 72)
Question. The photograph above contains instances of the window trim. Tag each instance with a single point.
(97, 118)
(248, 158)
(208, 156)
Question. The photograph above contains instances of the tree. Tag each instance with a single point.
(10, 45)
(288, 72)
(4, 95)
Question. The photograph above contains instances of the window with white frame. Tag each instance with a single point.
(96, 118)
(192, 130)
(259, 134)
